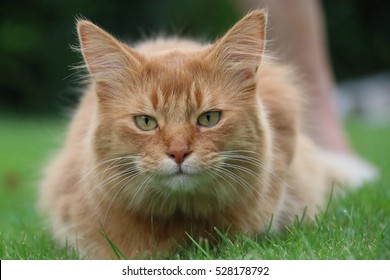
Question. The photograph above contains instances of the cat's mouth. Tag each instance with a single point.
(180, 171)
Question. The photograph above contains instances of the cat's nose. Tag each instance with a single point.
(178, 151)
(179, 156)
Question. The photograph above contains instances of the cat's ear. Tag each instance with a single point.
(240, 50)
(106, 58)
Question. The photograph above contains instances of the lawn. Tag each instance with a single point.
(356, 226)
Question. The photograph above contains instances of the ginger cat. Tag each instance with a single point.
(173, 137)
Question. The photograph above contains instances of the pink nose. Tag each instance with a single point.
(179, 156)
(178, 151)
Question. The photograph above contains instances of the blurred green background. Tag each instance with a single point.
(35, 39)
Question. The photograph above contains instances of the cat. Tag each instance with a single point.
(174, 139)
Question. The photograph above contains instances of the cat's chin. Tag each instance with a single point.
(182, 182)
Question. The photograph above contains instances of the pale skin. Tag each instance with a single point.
(297, 32)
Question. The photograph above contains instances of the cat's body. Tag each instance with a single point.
(174, 138)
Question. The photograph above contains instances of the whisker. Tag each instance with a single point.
(126, 174)
(242, 182)
(99, 164)
(244, 169)
(113, 177)
(233, 176)
(212, 172)
(236, 155)
(121, 188)
(141, 188)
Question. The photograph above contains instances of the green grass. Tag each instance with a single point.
(356, 226)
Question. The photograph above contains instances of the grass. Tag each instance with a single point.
(356, 226)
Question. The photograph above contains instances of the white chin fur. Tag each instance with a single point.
(180, 182)
(176, 178)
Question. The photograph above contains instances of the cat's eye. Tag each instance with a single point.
(209, 119)
(145, 123)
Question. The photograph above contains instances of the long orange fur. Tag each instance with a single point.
(253, 169)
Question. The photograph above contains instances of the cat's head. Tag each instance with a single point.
(185, 124)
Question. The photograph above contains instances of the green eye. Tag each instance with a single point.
(209, 119)
(145, 123)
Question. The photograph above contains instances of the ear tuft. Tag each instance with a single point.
(242, 47)
(104, 56)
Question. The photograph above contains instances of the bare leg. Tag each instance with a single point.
(297, 30)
